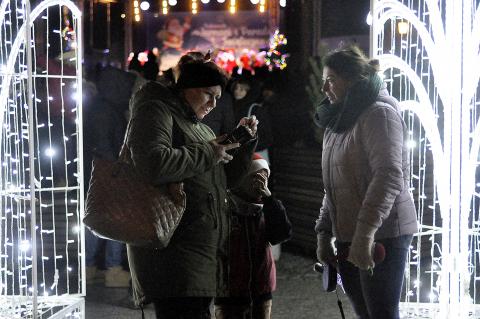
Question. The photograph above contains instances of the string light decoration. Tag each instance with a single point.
(429, 52)
(194, 7)
(274, 57)
(41, 187)
(136, 11)
(232, 7)
(164, 7)
(262, 6)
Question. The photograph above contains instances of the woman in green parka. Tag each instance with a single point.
(169, 144)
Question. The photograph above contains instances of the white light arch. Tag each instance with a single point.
(434, 70)
(20, 40)
(434, 47)
(41, 240)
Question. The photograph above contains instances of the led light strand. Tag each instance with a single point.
(17, 243)
(194, 7)
(164, 7)
(444, 130)
(136, 11)
(262, 6)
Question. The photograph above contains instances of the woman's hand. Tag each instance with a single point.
(220, 150)
(360, 253)
(251, 123)
(260, 184)
(325, 253)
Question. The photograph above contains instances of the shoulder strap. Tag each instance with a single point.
(177, 140)
(124, 155)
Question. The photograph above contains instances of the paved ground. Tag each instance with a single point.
(299, 296)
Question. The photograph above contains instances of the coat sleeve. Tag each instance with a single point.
(277, 225)
(265, 136)
(382, 137)
(237, 168)
(150, 144)
(324, 222)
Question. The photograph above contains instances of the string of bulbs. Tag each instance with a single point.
(194, 6)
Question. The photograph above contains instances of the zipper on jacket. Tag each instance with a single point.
(332, 201)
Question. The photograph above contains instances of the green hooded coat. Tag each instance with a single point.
(168, 144)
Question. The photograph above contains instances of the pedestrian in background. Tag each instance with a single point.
(136, 69)
(151, 67)
(104, 133)
(366, 178)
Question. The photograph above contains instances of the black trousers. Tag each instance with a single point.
(183, 308)
(377, 296)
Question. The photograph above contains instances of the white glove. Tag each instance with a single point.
(325, 253)
(361, 252)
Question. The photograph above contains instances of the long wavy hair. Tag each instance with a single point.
(351, 63)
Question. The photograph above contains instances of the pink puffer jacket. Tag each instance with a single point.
(366, 175)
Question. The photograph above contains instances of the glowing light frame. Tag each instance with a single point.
(443, 52)
(30, 304)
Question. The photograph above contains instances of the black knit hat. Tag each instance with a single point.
(198, 74)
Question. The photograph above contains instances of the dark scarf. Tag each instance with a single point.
(342, 116)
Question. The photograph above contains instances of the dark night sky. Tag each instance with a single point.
(344, 17)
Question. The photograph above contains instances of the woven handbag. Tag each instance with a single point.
(121, 206)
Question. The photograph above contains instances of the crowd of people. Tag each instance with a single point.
(219, 262)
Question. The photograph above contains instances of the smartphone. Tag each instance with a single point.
(241, 134)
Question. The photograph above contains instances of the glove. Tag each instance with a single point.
(325, 253)
(361, 249)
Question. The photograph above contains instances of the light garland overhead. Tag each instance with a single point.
(262, 6)
(136, 11)
(164, 7)
(232, 7)
(194, 7)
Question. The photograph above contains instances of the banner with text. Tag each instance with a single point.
(176, 33)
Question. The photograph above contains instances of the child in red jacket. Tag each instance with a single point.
(257, 221)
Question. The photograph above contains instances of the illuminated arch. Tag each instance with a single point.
(424, 110)
(434, 49)
(436, 70)
(53, 223)
(20, 39)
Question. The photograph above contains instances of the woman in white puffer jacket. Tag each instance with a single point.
(366, 179)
